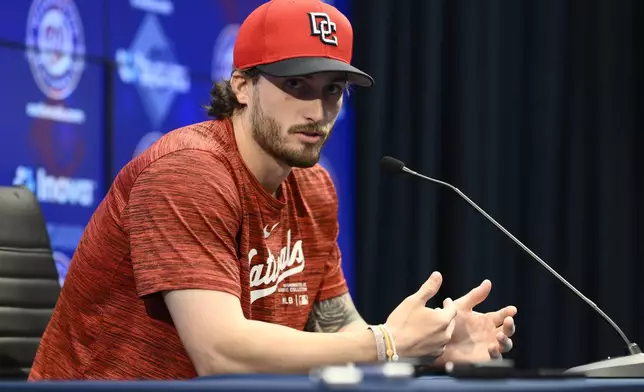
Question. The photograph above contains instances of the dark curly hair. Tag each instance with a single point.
(223, 101)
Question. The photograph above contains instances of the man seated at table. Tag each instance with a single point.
(215, 250)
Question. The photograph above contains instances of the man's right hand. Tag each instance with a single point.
(419, 331)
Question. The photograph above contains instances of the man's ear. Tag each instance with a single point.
(241, 87)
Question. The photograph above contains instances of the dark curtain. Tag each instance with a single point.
(534, 110)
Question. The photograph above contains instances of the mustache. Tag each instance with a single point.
(315, 128)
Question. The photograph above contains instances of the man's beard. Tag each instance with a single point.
(266, 132)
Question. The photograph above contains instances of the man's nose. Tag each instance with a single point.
(315, 110)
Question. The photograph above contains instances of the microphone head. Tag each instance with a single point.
(392, 164)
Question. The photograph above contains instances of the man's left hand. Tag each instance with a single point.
(479, 337)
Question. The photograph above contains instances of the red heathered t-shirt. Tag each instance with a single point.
(188, 214)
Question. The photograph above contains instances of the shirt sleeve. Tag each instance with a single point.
(334, 283)
(182, 219)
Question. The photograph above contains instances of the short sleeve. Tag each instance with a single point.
(182, 219)
(334, 282)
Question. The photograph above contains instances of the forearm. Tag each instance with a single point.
(258, 347)
(355, 326)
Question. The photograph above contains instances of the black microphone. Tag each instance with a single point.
(628, 366)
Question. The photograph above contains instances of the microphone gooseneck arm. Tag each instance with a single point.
(633, 348)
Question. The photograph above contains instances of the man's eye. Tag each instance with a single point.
(335, 89)
(293, 83)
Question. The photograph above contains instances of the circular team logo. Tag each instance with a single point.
(55, 46)
(222, 57)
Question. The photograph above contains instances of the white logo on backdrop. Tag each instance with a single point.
(55, 52)
(151, 66)
(162, 7)
(56, 190)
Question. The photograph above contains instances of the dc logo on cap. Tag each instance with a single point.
(55, 46)
(323, 27)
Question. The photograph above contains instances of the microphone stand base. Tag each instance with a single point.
(630, 366)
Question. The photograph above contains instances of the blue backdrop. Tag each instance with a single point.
(145, 65)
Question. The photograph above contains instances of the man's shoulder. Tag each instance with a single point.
(191, 153)
(207, 140)
(210, 136)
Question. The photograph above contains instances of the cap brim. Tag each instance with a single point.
(308, 65)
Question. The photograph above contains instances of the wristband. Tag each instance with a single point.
(392, 354)
(380, 342)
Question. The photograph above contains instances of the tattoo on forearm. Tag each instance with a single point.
(312, 324)
(332, 315)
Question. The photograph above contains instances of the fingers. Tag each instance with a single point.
(504, 342)
(493, 350)
(508, 327)
(503, 345)
(443, 318)
(499, 316)
(449, 312)
(430, 287)
(475, 296)
(449, 309)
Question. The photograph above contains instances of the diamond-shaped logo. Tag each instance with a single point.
(151, 65)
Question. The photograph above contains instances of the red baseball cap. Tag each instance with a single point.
(295, 38)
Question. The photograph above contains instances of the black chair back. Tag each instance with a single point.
(29, 286)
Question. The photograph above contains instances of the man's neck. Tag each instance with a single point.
(268, 171)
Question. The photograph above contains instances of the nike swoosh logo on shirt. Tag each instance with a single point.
(267, 232)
